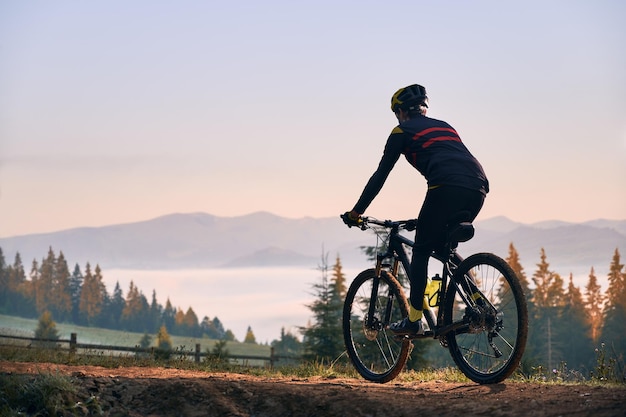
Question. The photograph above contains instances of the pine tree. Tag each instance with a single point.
(61, 290)
(339, 280)
(613, 334)
(169, 315)
(179, 320)
(549, 299)
(30, 286)
(156, 312)
(16, 277)
(76, 285)
(249, 336)
(19, 301)
(44, 286)
(4, 283)
(190, 323)
(287, 345)
(118, 303)
(164, 344)
(136, 310)
(515, 263)
(91, 297)
(104, 319)
(549, 285)
(217, 324)
(212, 329)
(46, 329)
(574, 331)
(323, 339)
(229, 336)
(593, 306)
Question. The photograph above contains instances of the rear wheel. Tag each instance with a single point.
(489, 347)
(371, 346)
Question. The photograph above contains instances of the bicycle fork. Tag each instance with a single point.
(371, 321)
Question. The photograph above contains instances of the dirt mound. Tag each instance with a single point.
(173, 392)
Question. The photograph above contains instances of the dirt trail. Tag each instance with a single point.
(173, 392)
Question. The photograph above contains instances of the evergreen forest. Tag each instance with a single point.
(570, 328)
(81, 298)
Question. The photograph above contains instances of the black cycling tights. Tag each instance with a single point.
(440, 206)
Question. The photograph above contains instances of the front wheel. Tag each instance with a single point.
(489, 346)
(372, 303)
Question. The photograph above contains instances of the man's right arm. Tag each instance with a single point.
(393, 150)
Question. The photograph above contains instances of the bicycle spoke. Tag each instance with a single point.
(492, 346)
(375, 353)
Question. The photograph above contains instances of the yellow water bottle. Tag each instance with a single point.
(431, 295)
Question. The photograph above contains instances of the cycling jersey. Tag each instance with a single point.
(435, 149)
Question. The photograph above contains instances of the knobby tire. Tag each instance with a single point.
(470, 346)
(372, 348)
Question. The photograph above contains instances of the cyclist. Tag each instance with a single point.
(456, 183)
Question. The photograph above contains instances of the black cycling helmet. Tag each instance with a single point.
(409, 98)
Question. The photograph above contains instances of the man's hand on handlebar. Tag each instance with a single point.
(352, 218)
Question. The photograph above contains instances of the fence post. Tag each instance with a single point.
(272, 357)
(197, 353)
(72, 345)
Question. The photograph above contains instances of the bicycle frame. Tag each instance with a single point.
(397, 253)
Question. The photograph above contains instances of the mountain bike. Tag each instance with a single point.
(478, 313)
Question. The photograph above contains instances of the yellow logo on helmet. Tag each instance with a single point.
(395, 101)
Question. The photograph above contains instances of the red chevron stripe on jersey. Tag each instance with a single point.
(419, 135)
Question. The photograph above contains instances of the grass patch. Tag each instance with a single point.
(18, 326)
(45, 394)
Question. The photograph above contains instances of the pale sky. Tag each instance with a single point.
(115, 111)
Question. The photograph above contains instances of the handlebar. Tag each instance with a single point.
(409, 224)
(364, 223)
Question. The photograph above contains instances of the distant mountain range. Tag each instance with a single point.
(200, 240)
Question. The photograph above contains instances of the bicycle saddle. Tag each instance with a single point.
(460, 228)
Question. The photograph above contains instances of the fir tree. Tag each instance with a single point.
(46, 329)
(103, 317)
(28, 289)
(136, 310)
(339, 280)
(613, 334)
(61, 290)
(16, 277)
(156, 312)
(19, 301)
(190, 323)
(118, 303)
(287, 345)
(249, 336)
(44, 286)
(323, 339)
(213, 329)
(574, 331)
(514, 262)
(179, 320)
(91, 297)
(169, 315)
(4, 283)
(548, 285)
(594, 300)
(76, 285)
(229, 336)
(164, 344)
(548, 298)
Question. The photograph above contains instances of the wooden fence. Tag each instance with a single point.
(195, 354)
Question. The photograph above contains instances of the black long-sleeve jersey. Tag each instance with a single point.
(435, 149)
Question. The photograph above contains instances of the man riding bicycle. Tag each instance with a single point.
(456, 184)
